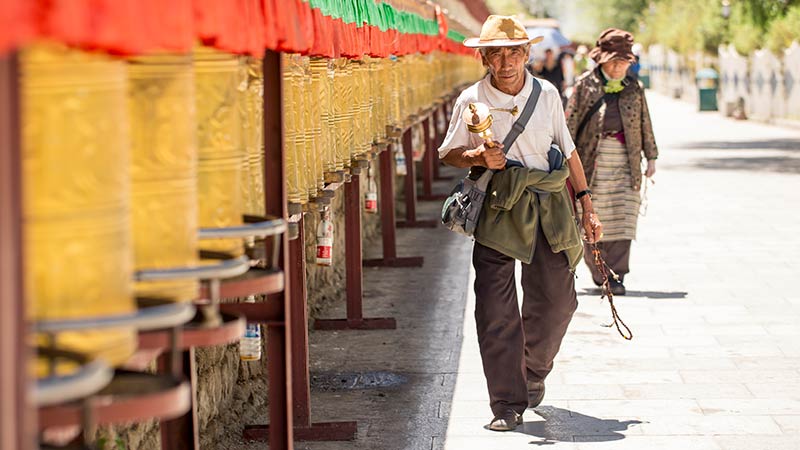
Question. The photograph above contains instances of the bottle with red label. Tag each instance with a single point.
(371, 195)
(325, 239)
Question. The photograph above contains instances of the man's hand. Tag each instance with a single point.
(651, 168)
(592, 227)
(491, 157)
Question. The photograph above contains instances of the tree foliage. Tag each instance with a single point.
(698, 25)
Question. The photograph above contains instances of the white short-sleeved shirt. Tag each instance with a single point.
(547, 124)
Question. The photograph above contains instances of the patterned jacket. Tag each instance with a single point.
(639, 137)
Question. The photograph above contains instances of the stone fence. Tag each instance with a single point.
(763, 86)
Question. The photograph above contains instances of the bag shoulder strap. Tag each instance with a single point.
(519, 126)
(589, 114)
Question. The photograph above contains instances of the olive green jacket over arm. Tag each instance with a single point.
(639, 137)
(519, 200)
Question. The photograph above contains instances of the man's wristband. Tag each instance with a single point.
(582, 193)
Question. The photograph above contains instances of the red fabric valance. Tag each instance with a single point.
(239, 26)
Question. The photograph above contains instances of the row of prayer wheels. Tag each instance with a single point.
(124, 160)
(335, 110)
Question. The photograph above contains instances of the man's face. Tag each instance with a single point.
(507, 66)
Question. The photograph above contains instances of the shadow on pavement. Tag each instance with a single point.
(768, 144)
(660, 295)
(562, 425)
(775, 162)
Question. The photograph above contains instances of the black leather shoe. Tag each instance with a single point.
(535, 393)
(508, 421)
(617, 288)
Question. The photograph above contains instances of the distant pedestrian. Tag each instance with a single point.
(527, 215)
(609, 120)
(552, 70)
(582, 60)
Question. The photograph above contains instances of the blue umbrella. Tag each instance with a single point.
(552, 37)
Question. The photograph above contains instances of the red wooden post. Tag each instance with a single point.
(411, 188)
(353, 261)
(280, 431)
(299, 309)
(17, 418)
(431, 160)
(445, 111)
(181, 433)
(388, 230)
(288, 364)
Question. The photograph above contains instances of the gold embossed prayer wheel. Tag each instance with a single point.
(163, 170)
(252, 111)
(293, 122)
(344, 113)
(322, 83)
(312, 130)
(76, 207)
(220, 80)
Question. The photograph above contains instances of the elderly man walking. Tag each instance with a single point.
(527, 216)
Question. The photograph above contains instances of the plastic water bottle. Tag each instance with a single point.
(371, 196)
(400, 161)
(250, 343)
(325, 239)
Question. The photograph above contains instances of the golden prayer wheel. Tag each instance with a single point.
(321, 85)
(344, 114)
(220, 80)
(75, 171)
(161, 104)
(295, 158)
(252, 112)
(312, 130)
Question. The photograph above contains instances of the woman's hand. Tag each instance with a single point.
(651, 168)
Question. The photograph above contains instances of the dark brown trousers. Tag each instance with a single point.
(513, 348)
(617, 254)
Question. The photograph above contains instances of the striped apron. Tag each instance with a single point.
(615, 202)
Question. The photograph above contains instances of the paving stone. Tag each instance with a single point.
(757, 442)
(750, 406)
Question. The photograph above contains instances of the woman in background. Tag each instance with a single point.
(608, 118)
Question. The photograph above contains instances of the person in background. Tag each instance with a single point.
(552, 71)
(633, 70)
(582, 60)
(613, 138)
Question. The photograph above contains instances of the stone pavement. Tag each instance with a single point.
(715, 360)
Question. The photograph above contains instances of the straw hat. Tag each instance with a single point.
(502, 31)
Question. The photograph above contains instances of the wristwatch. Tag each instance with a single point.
(582, 193)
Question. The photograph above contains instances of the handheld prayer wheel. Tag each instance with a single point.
(220, 80)
(252, 112)
(478, 119)
(76, 195)
(161, 104)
